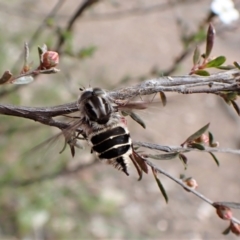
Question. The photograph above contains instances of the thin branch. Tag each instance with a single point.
(34, 37)
(41, 27)
(37, 15)
(173, 149)
(136, 11)
(181, 183)
(179, 84)
(61, 40)
(83, 6)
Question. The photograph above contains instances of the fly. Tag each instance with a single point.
(106, 131)
(102, 124)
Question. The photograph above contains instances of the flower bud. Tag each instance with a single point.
(49, 59)
(191, 182)
(216, 144)
(224, 212)
(235, 228)
(202, 139)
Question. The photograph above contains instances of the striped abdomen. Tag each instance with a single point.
(113, 145)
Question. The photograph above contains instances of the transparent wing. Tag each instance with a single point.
(128, 109)
(43, 160)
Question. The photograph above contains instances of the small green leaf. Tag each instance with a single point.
(216, 62)
(167, 156)
(183, 159)
(137, 119)
(202, 73)
(236, 107)
(228, 67)
(196, 56)
(87, 52)
(215, 159)
(163, 98)
(161, 187)
(232, 96)
(209, 40)
(236, 64)
(124, 113)
(229, 97)
(182, 176)
(197, 146)
(197, 134)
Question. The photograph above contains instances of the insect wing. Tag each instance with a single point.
(127, 110)
(45, 158)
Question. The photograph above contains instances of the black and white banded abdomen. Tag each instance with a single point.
(113, 145)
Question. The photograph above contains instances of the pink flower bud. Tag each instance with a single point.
(235, 228)
(224, 212)
(49, 59)
(191, 182)
(202, 139)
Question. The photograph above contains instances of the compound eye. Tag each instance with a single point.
(98, 92)
(86, 95)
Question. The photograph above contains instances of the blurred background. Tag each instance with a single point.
(112, 44)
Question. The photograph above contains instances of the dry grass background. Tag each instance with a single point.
(130, 46)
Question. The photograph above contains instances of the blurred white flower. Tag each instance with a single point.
(226, 10)
(40, 218)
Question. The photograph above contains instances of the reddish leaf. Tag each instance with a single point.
(209, 40)
(7, 75)
(163, 98)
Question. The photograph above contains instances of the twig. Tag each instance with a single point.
(172, 149)
(83, 6)
(136, 11)
(178, 181)
(179, 84)
(41, 27)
